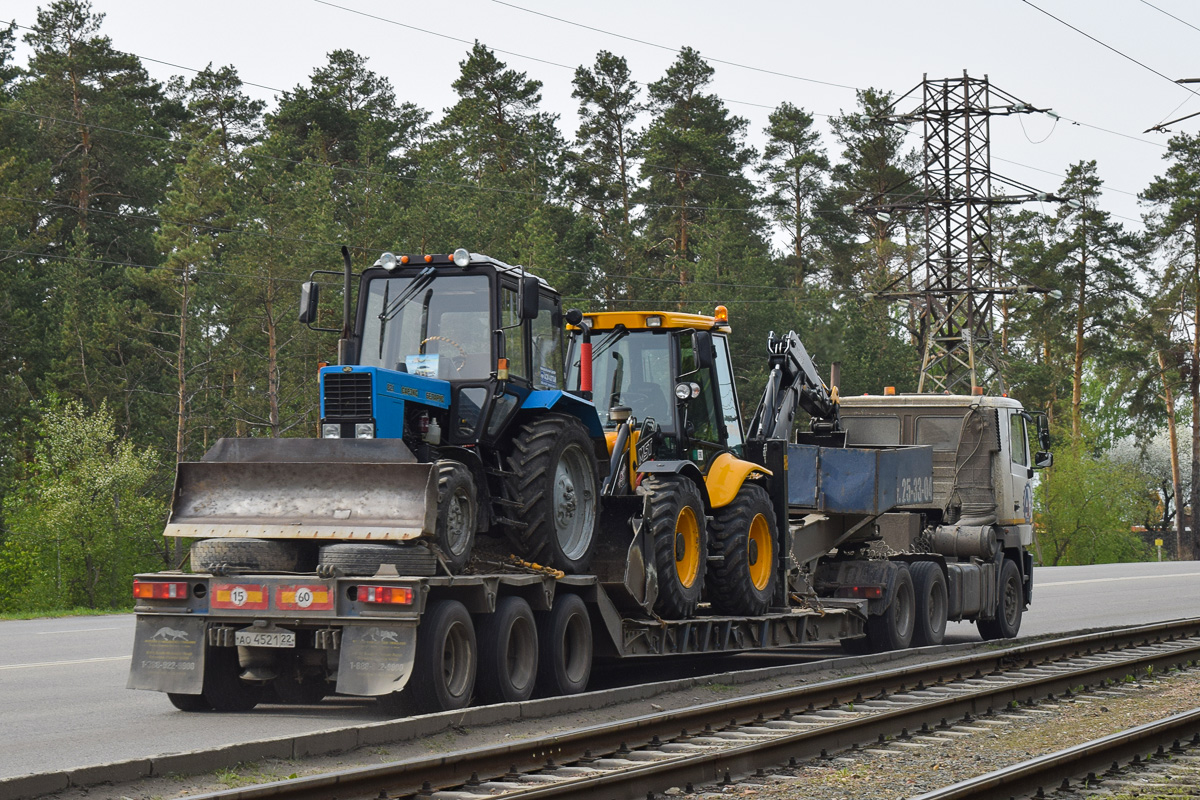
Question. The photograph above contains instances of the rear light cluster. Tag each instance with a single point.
(386, 595)
(160, 590)
(865, 592)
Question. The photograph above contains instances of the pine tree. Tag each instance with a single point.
(796, 169)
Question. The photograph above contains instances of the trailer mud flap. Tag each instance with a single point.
(376, 659)
(168, 655)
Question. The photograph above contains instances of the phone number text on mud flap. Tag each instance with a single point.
(178, 666)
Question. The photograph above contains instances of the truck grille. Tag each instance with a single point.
(348, 395)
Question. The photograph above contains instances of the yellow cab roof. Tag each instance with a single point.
(636, 320)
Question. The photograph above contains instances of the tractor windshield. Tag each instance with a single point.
(632, 368)
(430, 324)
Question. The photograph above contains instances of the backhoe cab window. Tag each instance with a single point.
(436, 327)
(632, 369)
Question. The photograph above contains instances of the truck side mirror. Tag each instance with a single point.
(310, 298)
(702, 346)
(1043, 459)
(528, 300)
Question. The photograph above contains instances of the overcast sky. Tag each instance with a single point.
(1105, 100)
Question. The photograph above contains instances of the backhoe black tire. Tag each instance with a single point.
(565, 647)
(743, 536)
(188, 702)
(236, 556)
(508, 652)
(1010, 606)
(365, 558)
(893, 629)
(554, 479)
(457, 514)
(445, 663)
(673, 516)
(224, 690)
(933, 605)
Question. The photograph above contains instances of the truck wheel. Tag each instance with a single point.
(564, 647)
(673, 515)
(188, 702)
(365, 559)
(457, 513)
(508, 652)
(1010, 605)
(893, 629)
(234, 556)
(443, 676)
(929, 584)
(554, 481)
(742, 534)
(224, 690)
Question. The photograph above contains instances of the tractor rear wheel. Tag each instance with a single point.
(741, 580)
(554, 480)
(673, 516)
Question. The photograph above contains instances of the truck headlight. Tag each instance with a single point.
(331, 431)
(364, 430)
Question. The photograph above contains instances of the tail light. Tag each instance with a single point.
(160, 590)
(865, 592)
(385, 595)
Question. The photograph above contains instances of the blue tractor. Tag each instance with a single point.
(445, 417)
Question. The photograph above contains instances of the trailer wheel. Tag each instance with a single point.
(444, 668)
(564, 647)
(365, 559)
(457, 513)
(674, 515)
(508, 652)
(234, 556)
(555, 482)
(929, 584)
(1010, 605)
(224, 689)
(188, 702)
(893, 629)
(742, 580)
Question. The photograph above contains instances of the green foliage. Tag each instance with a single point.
(84, 519)
(1086, 505)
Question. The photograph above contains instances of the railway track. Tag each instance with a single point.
(714, 742)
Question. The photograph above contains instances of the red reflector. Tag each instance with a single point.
(865, 592)
(160, 590)
(391, 595)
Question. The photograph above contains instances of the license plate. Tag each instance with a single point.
(252, 638)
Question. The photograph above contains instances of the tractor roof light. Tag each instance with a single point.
(462, 258)
(387, 261)
(722, 314)
(654, 322)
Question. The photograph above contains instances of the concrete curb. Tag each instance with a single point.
(341, 740)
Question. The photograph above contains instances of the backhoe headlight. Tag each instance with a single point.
(331, 431)
(364, 430)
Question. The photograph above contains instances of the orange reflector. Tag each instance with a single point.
(977, 390)
(315, 597)
(160, 590)
(502, 369)
(248, 596)
(428, 259)
(403, 259)
(889, 390)
(389, 595)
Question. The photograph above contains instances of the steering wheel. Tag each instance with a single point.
(458, 361)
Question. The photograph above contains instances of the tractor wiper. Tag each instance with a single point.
(612, 337)
(422, 281)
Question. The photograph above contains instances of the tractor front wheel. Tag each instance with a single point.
(673, 515)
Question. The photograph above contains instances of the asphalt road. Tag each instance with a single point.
(63, 701)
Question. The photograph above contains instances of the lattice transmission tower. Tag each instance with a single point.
(955, 287)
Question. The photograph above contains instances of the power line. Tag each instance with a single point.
(673, 49)
(1172, 16)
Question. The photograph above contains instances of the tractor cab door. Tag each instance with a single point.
(704, 431)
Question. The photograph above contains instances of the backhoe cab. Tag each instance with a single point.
(703, 526)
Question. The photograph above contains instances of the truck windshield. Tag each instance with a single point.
(631, 369)
(439, 328)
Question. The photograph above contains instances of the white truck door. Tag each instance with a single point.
(1021, 496)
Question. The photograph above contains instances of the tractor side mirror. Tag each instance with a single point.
(702, 346)
(1043, 459)
(310, 298)
(528, 300)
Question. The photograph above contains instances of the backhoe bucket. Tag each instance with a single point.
(357, 489)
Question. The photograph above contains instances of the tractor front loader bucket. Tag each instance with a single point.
(351, 489)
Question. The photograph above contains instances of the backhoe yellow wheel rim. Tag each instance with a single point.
(760, 552)
(687, 547)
